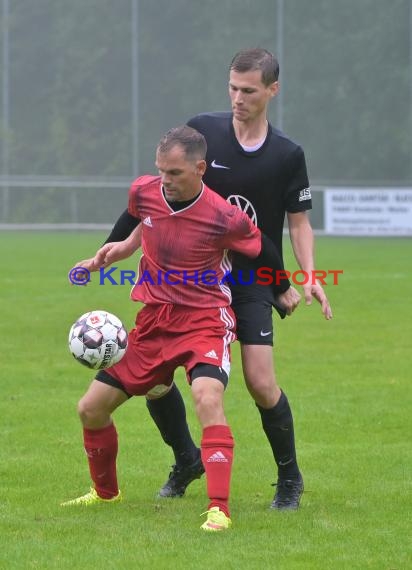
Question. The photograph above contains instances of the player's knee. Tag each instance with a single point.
(208, 405)
(261, 382)
(263, 389)
(89, 413)
(208, 401)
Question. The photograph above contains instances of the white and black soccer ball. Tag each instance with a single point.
(98, 340)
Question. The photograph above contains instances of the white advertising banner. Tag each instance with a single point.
(368, 211)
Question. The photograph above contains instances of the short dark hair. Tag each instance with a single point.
(192, 142)
(257, 59)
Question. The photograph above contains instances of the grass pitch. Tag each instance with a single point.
(348, 381)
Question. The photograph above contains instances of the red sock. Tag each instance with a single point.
(217, 457)
(101, 450)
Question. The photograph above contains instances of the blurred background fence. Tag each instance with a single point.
(89, 86)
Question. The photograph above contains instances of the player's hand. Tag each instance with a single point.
(289, 300)
(104, 256)
(88, 264)
(316, 291)
(115, 251)
(79, 274)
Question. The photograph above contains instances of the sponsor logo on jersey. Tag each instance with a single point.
(243, 204)
(305, 195)
(148, 222)
(214, 164)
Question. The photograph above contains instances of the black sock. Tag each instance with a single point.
(277, 423)
(169, 414)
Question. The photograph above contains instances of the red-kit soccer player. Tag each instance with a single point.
(187, 229)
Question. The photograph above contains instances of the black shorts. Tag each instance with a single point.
(252, 305)
(208, 370)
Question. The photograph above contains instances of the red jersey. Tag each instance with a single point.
(185, 253)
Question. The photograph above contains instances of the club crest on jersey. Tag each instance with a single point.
(243, 204)
(305, 195)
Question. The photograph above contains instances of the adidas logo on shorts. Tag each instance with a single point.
(211, 354)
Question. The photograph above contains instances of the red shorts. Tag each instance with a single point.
(168, 336)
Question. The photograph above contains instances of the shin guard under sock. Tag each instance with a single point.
(277, 424)
(101, 450)
(217, 457)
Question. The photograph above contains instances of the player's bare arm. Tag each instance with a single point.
(111, 252)
(301, 236)
(122, 230)
(116, 251)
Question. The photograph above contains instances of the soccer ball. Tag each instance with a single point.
(98, 340)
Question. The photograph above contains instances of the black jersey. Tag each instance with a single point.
(264, 183)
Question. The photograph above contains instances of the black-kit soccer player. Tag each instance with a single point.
(256, 167)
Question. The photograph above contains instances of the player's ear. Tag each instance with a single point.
(200, 167)
(274, 88)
